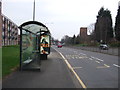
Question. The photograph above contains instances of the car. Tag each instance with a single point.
(103, 46)
(59, 45)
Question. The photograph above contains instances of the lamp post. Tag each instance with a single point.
(34, 11)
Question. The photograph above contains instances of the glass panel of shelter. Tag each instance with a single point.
(30, 49)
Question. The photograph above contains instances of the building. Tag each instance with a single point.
(9, 31)
(83, 34)
(0, 27)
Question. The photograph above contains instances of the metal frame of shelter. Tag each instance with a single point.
(30, 44)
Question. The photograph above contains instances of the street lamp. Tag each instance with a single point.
(34, 11)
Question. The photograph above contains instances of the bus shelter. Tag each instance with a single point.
(34, 43)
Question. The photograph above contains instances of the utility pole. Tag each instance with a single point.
(34, 11)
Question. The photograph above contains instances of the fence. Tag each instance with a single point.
(111, 50)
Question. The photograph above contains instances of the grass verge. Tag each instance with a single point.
(10, 59)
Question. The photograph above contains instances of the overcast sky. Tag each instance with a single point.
(62, 17)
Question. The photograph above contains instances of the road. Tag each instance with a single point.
(93, 70)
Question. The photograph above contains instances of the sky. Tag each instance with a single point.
(62, 17)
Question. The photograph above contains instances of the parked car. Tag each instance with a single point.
(103, 46)
(59, 45)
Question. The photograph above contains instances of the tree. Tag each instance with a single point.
(77, 40)
(91, 31)
(103, 26)
(74, 39)
(91, 28)
(117, 25)
(52, 40)
(56, 41)
(67, 40)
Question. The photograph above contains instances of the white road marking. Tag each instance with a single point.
(97, 58)
(116, 65)
(97, 61)
(83, 57)
(90, 58)
(76, 67)
(75, 56)
(101, 67)
(75, 52)
(106, 65)
(67, 56)
(82, 54)
(80, 57)
(71, 68)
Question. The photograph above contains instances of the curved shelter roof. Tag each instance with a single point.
(34, 27)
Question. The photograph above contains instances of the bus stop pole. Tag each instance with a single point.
(20, 49)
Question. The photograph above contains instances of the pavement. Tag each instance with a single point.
(54, 73)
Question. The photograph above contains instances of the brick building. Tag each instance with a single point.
(8, 31)
(83, 35)
(83, 32)
(0, 27)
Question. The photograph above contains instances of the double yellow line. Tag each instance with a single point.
(70, 67)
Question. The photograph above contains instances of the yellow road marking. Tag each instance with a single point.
(70, 67)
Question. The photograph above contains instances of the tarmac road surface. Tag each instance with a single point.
(95, 70)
